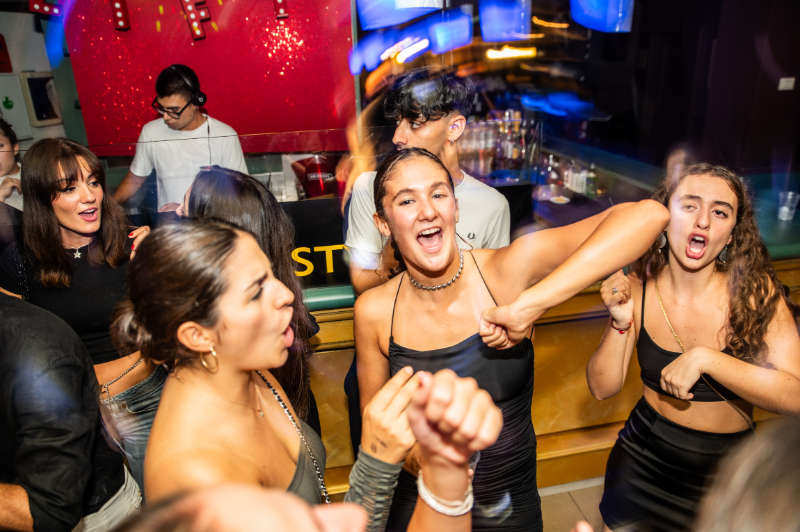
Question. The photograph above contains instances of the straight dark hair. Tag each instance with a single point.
(170, 82)
(386, 171)
(239, 199)
(50, 166)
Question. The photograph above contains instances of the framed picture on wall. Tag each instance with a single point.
(41, 99)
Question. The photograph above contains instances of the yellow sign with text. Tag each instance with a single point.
(308, 265)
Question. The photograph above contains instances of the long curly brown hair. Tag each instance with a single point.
(753, 287)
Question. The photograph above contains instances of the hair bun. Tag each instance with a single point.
(127, 333)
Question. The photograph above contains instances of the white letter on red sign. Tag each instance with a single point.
(196, 12)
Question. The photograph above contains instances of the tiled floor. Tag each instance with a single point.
(561, 511)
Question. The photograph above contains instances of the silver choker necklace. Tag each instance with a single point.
(443, 285)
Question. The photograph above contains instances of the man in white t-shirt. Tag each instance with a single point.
(181, 143)
(430, 106)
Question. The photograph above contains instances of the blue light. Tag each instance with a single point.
(454, 31)
(610, 16)
(443, 32)
(505, 20)
(367, 52)
(375, 14)
(560, 104)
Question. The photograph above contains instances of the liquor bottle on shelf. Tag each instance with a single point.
(486, 153)
(499, 144)
(566, 173)
(553, 174)
(466, 149)
(582, 175)
(591, 183)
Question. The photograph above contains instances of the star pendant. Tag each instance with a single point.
(77, 254)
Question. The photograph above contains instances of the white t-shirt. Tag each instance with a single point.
(15, 199)
(177, 156)
(484, 218)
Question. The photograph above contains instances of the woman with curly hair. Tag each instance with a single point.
(721, 337)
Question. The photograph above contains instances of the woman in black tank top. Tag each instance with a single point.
(715, 334)
(430, 317)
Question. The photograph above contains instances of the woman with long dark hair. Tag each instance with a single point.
(240, 199)
(721, 336)
(204, 299)
(430, 316)
(72, 259)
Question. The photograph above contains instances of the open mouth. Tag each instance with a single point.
(89, 215)
(696, 247)
(288, 336)
(430, 239)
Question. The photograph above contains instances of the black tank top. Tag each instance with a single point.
(653, 359)
(504, 484)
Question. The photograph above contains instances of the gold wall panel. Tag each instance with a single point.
(328, 369)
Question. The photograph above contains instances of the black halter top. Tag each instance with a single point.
(504, 484)
(654, 358)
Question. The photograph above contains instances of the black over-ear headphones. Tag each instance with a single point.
(198, 97)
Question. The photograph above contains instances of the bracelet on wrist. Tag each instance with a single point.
(621, 331)
(451, 508)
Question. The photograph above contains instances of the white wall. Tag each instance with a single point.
(27, 52)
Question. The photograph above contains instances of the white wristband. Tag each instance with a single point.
(451, 508)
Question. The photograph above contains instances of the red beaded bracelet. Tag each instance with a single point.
(621, 331)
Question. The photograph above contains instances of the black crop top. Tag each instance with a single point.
(653, 359)
(87, 305)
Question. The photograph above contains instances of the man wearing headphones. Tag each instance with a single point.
(178, 146)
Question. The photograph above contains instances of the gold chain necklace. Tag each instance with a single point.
(702, 376)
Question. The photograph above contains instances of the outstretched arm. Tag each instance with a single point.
(602, 244)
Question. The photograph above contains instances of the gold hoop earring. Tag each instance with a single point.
(205, 364)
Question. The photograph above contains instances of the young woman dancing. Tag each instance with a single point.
(75, 248)
(240, 199)
(204, 299)
(716, 334)
(429, 316)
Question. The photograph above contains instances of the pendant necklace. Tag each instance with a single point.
(77, 251)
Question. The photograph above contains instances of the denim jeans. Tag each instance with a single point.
(132, 414)
(126, 502)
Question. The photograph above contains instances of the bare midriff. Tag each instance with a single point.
(717, 416)
(109, 371)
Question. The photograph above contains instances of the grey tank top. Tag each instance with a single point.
(305, 483)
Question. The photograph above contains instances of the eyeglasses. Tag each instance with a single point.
(171, 114)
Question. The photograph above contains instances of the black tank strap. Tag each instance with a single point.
(391, 327)
(484, 280)
(644, 285)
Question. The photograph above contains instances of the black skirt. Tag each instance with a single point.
(658, 471)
